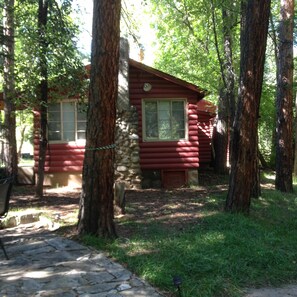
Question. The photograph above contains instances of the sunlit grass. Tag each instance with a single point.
(220, 255)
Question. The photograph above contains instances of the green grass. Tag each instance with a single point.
(220, 255)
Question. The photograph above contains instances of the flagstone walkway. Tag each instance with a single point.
(44, 264)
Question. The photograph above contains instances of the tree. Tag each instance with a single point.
(226, 100)
(187, 49)
(198, 42)
(46, 59)
(284, 100)
(183, 50)
(96, 203)
(295, 145)
(43, 87)
(244, 160)
(10, 148)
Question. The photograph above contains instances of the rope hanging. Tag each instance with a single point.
(106, 147)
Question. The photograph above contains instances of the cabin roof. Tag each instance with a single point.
(201, 92)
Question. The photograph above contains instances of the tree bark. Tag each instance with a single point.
(96, 203)
(22, 135)
(10, 147)
(42, 22)
(220, 137)
(226, 104)
(284, 100)
(228, 22)
(273, 36)
(244, 163)
(262, 160)
(295, 144)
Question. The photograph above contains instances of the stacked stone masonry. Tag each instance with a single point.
(127, 166)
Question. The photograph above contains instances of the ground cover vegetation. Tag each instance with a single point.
(186, 233)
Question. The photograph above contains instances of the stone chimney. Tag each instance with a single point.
(127, 162)
(123, 88)
(141, 53)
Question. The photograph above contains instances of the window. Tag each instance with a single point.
(67, 121)
(164, 120)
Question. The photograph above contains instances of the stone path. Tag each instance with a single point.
(43, 264)
(286, 291)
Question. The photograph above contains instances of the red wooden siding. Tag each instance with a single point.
(206, 115)
(164, 154)
(205, 126)
(60, 157)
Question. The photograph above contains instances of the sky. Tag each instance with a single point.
(84, 17)
(146, 34)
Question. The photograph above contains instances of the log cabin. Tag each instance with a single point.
(163, 131)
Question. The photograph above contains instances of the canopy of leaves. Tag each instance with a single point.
(186, 45)
(187, 41)
(65, 69)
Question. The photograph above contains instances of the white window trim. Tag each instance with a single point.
(77, 141)
(144, 138)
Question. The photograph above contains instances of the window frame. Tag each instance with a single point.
(170, 100)
(76, 140)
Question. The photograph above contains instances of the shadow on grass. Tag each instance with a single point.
(215, 253)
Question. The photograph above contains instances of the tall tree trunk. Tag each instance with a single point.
(244, 163)
(10, 147)
(228, 21)
(273, 35)
(22, 136)
(96, 203)
(295, 144)
(226, 104)
(284, 100)
(42, 22)
(220, 137)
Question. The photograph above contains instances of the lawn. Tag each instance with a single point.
(185, 233)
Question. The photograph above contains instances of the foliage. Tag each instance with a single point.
(24, 129)
(218, 255)
(186, 48)
(186, 40)
(63, 58)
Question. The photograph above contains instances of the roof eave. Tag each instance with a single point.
(201, 93)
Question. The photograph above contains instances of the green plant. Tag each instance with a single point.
(220, 254)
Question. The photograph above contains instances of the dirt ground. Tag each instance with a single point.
(179, 206)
